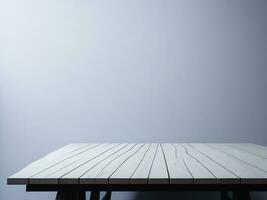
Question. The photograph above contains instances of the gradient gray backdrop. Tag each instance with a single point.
(129, 71)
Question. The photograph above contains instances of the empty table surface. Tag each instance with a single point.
(149, 163)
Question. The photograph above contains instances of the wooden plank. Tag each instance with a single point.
(244, 156)
(47, 161)
(256, 145)
(73, 176)
(46, 176)
(222, 175)
(141, 174)
(107, 172)
(200, 174)
(64, 150)
(247, 173)
(148, 164)
(90, 177)
(178, 171)
(62, 169)
(123, 173)
(254, 149)
(159, 172)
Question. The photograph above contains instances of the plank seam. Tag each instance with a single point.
(238, 158)
(140, 162)
(114, 159)
(199, 162)
(152, 162)
(125, 161)
(51, 160)
(65, 153)
(216, 162)
(182, 157)
(64, 160)
(99, 163)
(86, 161)
(246, 151)
(169, 177)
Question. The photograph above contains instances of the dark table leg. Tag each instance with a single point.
(107, 196)
(95, 195)
(225, 196)
(241, 195)
(67, 195)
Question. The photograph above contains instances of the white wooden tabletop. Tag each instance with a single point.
(165, 163)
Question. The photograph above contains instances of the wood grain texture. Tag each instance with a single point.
(222, 175)
(141, 174)
(91, 176)
(199, 172)
(159, 172)
(72, 177)
(124, 172)
(151, 163)
(48, 161)
(247, 173)
(178, 171)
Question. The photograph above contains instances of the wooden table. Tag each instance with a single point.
(76, 168)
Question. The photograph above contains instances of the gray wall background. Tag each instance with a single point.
(129, 71)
